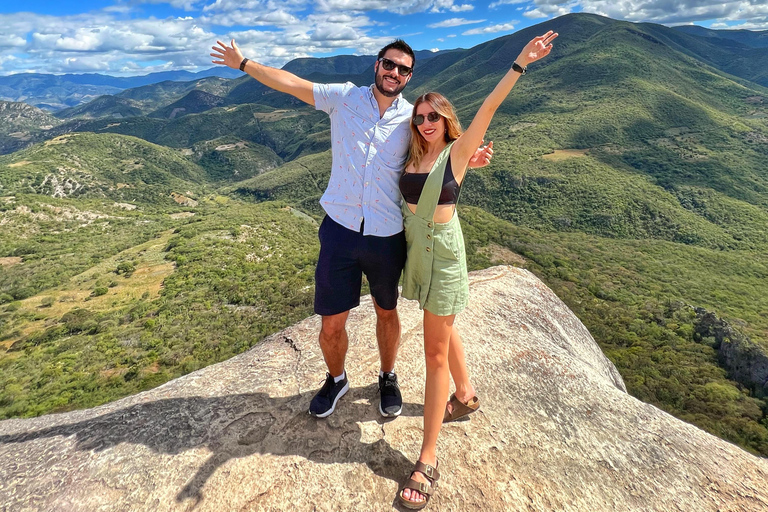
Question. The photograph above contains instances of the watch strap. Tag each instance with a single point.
(520, 69)
(242, 64)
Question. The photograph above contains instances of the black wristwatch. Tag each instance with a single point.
(242, 64)
(517, 67)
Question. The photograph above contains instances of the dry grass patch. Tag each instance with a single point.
(278, 115)
(9, 261)
(564, 154)
(19, 164)
(151, 271)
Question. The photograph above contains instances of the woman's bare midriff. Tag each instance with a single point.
(443, 212)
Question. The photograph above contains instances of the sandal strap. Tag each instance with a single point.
(424, 488)
(431, 473)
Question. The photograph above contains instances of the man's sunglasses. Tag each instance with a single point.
(389, 66)
(433, 117)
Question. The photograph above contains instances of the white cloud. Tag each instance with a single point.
(454, 22)
(498, 3)
(462, 8)
(502, 27)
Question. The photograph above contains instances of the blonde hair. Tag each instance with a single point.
(453, 128)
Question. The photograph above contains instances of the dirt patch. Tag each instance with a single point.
(278, 115)
(20, 164)
(183, 200)
(564, 154)
(182, 215)
(229, 147)
(501, 255)
(521, 126)
(62, 139)
(10, 261)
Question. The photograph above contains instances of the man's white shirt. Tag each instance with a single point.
(369, 152)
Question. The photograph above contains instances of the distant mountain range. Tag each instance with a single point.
(54, 92)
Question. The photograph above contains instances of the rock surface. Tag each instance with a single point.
(556, 430)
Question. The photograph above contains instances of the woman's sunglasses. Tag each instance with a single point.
(433, 117)
(389, 66)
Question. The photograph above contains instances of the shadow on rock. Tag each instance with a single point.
(238, 426)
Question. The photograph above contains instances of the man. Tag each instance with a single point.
(363, 229)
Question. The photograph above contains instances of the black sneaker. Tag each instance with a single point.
(391, 402)
(324, 402)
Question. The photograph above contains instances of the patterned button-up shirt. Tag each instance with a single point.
(369, 152)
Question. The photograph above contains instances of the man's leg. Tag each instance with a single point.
(382, 263)
(387, 335)
(338, 278)
(334, 342)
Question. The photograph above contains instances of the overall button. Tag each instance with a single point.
(429, 237)
(428, 249)
(429, 224)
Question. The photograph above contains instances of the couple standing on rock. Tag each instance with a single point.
(391, 208)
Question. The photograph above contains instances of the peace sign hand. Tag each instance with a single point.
(537, 48)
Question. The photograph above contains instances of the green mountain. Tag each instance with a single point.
(20, 124)
(753, 38)
(194, 102)
(229, 159)
(103, 106)
(155, 96)
(630, 174)
(99, 165)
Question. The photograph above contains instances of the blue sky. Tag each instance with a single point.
(130, 37)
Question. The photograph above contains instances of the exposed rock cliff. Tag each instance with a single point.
(556, 430)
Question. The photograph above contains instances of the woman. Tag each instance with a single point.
(436, 271)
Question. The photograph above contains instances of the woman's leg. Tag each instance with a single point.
(458, 364)
(437, 334)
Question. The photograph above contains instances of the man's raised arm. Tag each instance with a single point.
(273, 78)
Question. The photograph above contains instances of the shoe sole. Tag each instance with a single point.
(392, 415)
(333, 405)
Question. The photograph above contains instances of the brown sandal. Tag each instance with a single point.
(460, 409)
(427, 489)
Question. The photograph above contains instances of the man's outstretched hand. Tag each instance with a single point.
(229, 55)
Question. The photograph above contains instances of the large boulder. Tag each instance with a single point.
(556, 431)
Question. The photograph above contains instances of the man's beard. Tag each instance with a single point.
(379, 81)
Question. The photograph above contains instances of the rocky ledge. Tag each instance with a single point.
(557, 430)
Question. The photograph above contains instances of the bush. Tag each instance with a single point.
(100, 290)
(47, 302)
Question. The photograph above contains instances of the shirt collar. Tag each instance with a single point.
(395, 104)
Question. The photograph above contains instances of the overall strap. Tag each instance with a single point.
(430, 195)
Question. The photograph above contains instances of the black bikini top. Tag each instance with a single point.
(412, 184)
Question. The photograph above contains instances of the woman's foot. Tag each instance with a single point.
(413, 495)
(464, 397)
(457, 408)
(423, 473)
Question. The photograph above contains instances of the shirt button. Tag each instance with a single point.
(429, 237)
(428, 249)
(429, 224)
(366, 183)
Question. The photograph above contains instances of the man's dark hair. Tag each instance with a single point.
(399, 44)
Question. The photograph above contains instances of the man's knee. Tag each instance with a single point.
(386, 315)
(333, 325)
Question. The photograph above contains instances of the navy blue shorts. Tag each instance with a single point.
(344, 256)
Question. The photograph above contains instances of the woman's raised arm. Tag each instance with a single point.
(467, 143)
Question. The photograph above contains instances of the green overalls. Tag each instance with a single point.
(436, 267)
